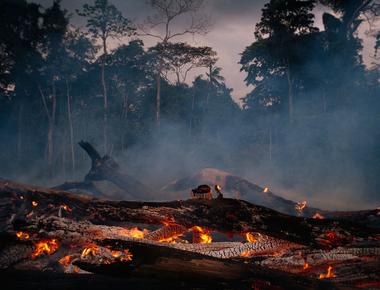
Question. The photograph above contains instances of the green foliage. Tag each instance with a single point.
(271, 60)
(286, 17)
(180, 58)
(104, 20)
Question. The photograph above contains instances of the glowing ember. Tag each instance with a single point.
(203, 235)
(300, 206)
(266, 190)
(66, 208)
(123, 256)
(246, 254)
(45, 247)
(306, 266)
(22, 235)
(34, 203)
(250, 237)
(329, 274)
(65, 261)
(90, 250)
(134, 233)
(318, 216)
(171, 240)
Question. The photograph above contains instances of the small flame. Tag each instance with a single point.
(170, 240)
(34, 203)
(300, 206)
(246, 254)
(45, 247)
(266, 190)
(318, 216)
(66, 208)
(123, 256)
(22, 235)
(204, 235)
(250, 237)
(306, 266)
(90, 250)
(134, 233)
(76, 269)
(65, 261)
(329, 274)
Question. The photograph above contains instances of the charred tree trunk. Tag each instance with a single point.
(105, 168)
(158, 98)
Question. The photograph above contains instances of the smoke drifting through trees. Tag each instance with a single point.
(310, 124)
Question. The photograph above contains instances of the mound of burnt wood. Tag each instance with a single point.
(224, 243)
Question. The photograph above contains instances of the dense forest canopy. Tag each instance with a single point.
(310, 124)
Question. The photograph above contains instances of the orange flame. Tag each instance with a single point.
(329, 274)
(65, 261)
(134, 233)
(66, 208)
(170, 240)
(203, 234)
(250, 237)
(318, 216)
(90, 250)
(246, 254)
(22, 235)
(306, 266)
(123, 256)
(45, 247)
(266, 190)
(300, 206)
(34, 203)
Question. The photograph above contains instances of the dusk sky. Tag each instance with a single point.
(233, 23)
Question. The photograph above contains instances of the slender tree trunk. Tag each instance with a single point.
(71, 129)
(105, 97)
(64, 158)
(178, 78)
(125, 105)
(158, 99)
(124, 119)
(50, 135)
(290, 94)
(192, 115)
(19, 133)
(210, 84)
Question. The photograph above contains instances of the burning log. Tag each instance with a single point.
(223, 215)
(52, 229)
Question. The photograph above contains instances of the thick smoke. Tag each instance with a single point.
(329, 159)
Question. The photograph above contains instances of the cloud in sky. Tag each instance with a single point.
(232, 29)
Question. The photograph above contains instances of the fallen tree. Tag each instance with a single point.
(106, 168)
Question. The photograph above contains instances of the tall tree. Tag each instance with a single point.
(273, 54)
(181, 58)
(167, 13)
(79, 51)
(104, 22)
(55, 23)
